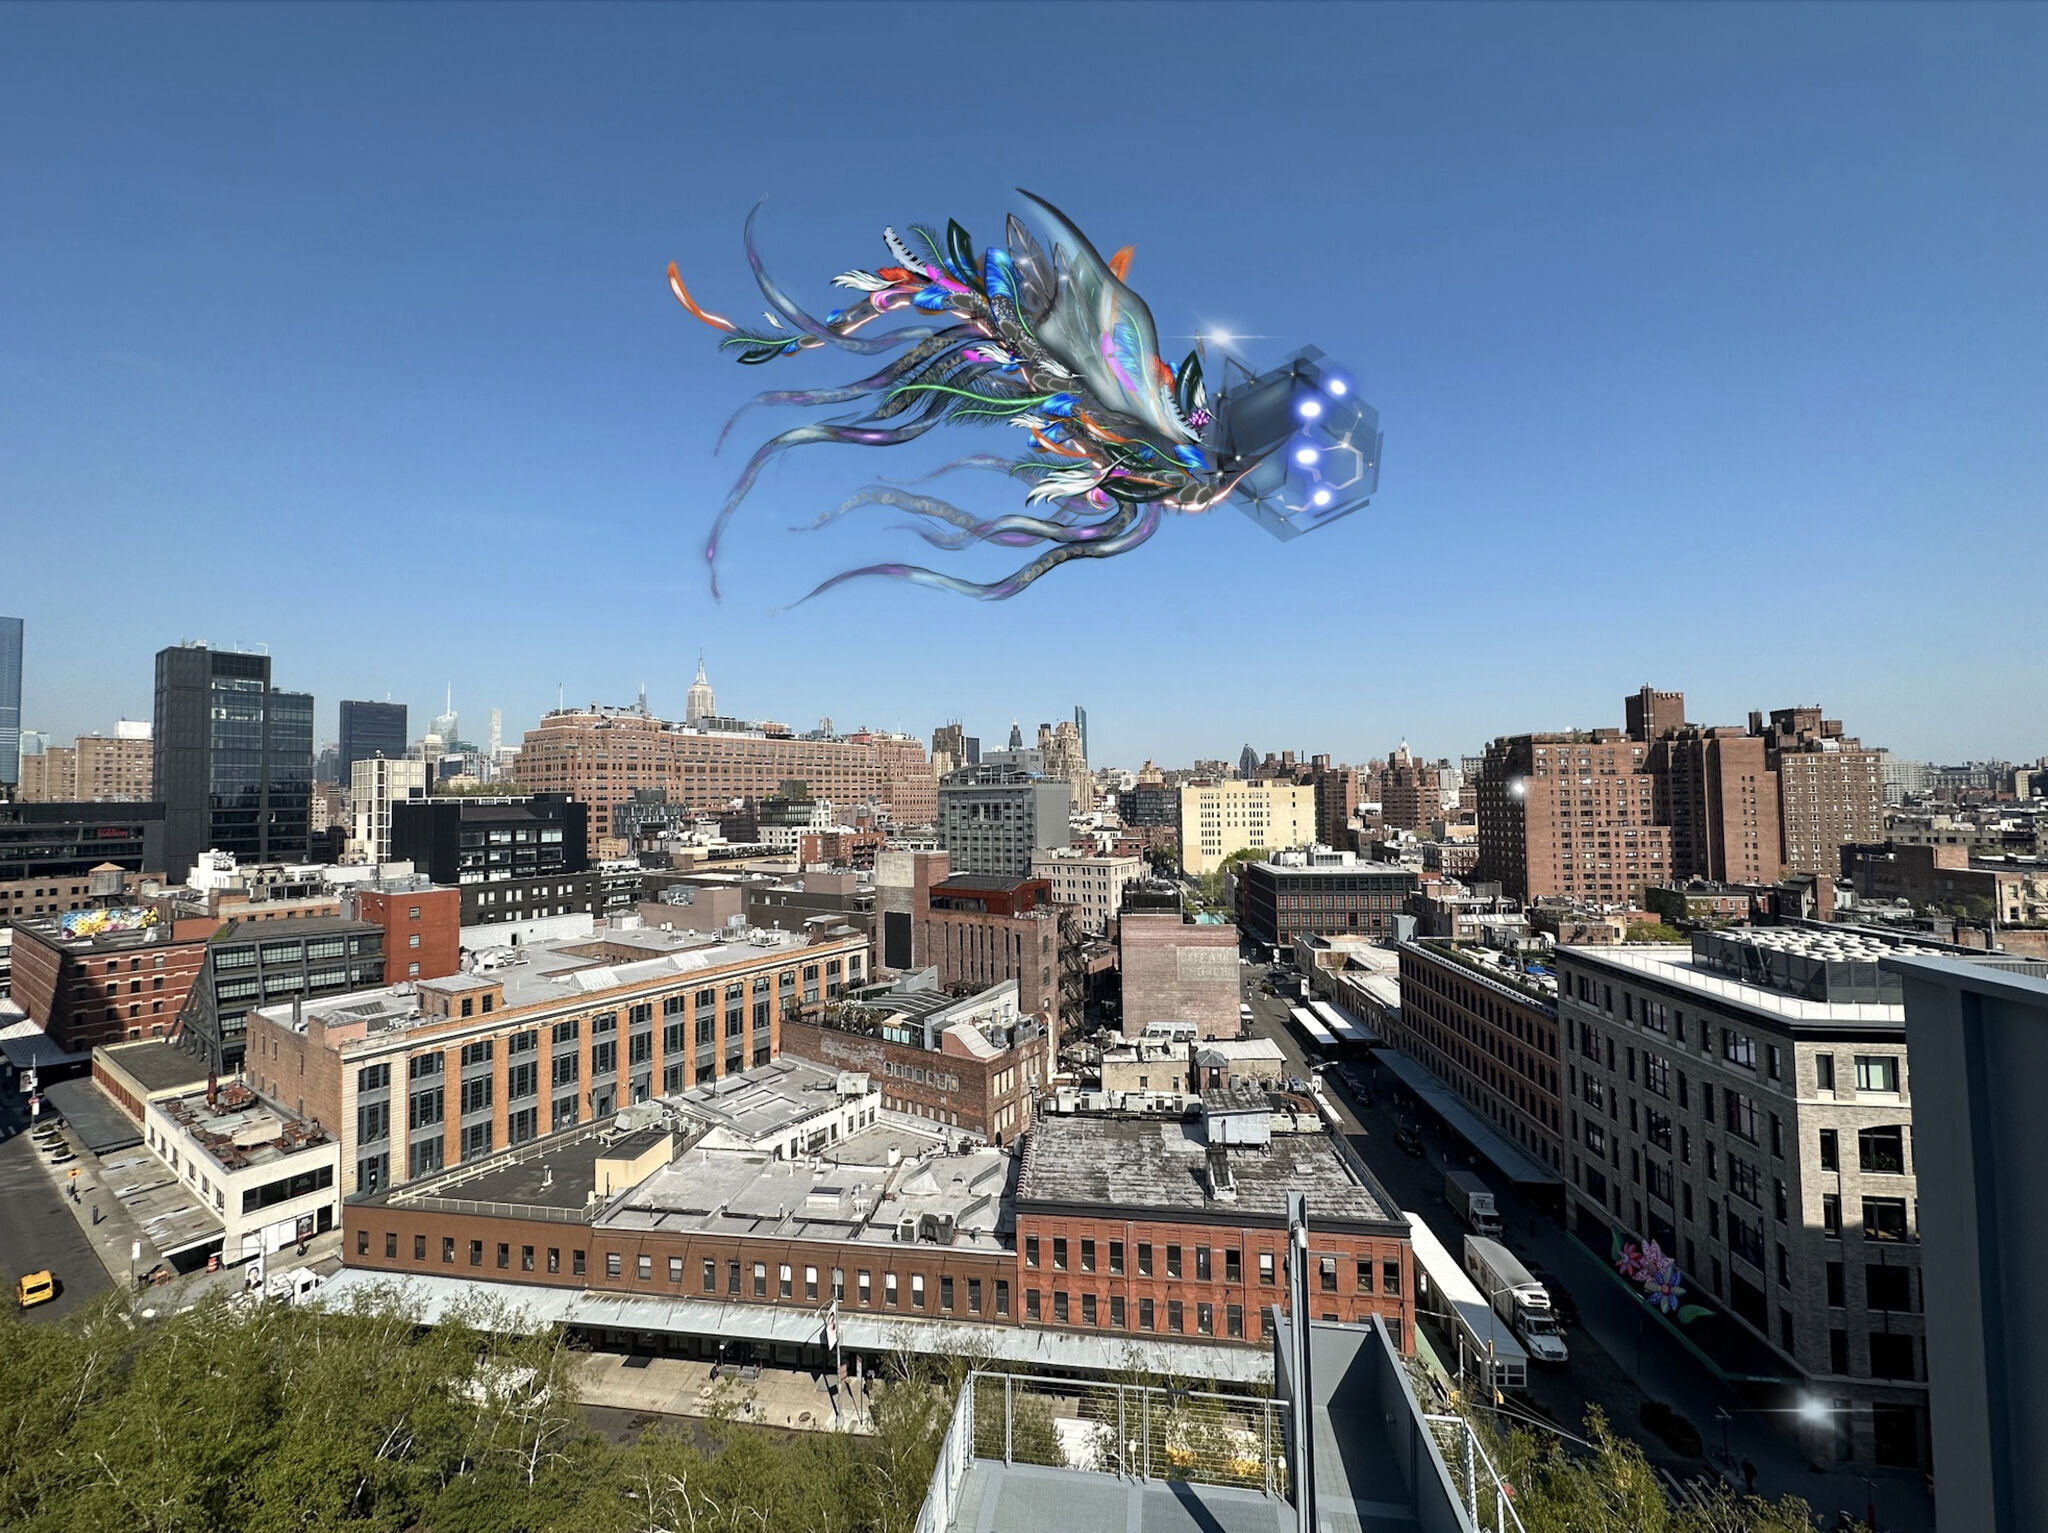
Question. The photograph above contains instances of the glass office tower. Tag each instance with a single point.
(233, 757)
(10, 702)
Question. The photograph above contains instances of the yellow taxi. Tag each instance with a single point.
(35, 1288)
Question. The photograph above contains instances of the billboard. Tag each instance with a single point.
(104, 923)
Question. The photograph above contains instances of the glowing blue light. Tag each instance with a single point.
(1306, 455)
(1310, 409)
(1321, 497)
(1336, 386)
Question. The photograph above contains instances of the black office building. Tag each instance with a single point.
(514, 859)
(233, 757)
(268, 963)
(70, 840)
(369, 730)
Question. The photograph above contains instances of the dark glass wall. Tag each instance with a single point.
(368, 730)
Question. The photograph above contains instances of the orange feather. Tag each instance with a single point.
(1120, 263)
(675, 285)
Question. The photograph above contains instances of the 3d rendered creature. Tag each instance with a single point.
(1053, 344)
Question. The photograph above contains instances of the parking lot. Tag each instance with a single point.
(37, 1229)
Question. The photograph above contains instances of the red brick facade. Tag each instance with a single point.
(1205, 1280)
(422, 930)
(83, 994)
(991, 1097)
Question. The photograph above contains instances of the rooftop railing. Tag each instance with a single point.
(1487, 1498)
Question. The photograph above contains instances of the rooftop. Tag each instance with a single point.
(155, 1065)
(769, 1099)
(237, 1129)
(542, 973)
(1145, 1163)
(557, 1174)
(863, 1189)
(1670, 964)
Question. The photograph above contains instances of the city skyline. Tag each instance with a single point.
(304, 277)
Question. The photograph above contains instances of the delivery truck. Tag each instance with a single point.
(1522, 1303)
(1472, 1201)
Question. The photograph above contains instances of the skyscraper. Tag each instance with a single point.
(447, 725)
(10, 701)
(369, 730)
(1081, 723)
(699, 703)
(233, 758)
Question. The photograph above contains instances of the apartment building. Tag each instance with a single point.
(1830, 789)
(997, 819)
(1220, 819)
(1716, 790)
(1321, 892)
(1092, 883)
(1570, 816)
(1747, 1103)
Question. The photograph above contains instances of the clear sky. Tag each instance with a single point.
(1709, 345)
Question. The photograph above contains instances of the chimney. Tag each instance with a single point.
(212, 1089)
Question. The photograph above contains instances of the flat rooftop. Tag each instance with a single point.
(1672, 965)
(853, 1195)
(1145, 1163)
(155, 1065)
(768, 1099)
(557, 1173)
(544, 973)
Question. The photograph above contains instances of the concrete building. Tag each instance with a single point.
(1977, 1037)
(993, 819)
(1320, 891)
(233, 762)
(375, 783)
(439, 1072)
(975, 1063)
(1830, 789)
(1177, 970)
(515, 859)
(1179, 1228)
(1716, 790)
(269, 1179)
(600, 756)
(1220, 819)
(1093, 883)
(1571, 816)
(1747, 1103)
(1488, 1031)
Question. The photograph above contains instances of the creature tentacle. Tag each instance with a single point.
(787, 307)
(1137, 523)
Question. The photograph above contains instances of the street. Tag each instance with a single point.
(37, 1230)
(1619, 1356)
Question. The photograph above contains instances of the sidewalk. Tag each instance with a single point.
(116, 1236)
(676, 1386)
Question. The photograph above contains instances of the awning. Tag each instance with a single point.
(1503, 1153)
(93, 1116)
(431, 1296)
(27, 1045)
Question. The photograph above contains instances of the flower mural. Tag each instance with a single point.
(1657, 1275)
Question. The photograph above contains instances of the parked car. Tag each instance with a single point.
(1409, 1141)
(35, 1288)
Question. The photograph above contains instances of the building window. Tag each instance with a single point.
(1176, 1316)
(917, 1290)
(1882, 1149)
(1116, 1256)
(1877, 1072)
(526, 1258)
(1830, 1151)
(1087, 1256)
(448, 1249)
(1824, 1072)
(1144, 1258)
(1145, 1315)
(419, 1248)
(1173, 1261)
(476, 1253)
(1831, 1215)
(612, 1264)
(1884, 1219)
(643, 1268)
(1233, 1316)
(1031, 1250)
(1266, 1269)
(1031, 1304)
(1059, 1253)
(1002, 1296)
(554, 1258)
(1390, 1279)
(1202, 1264)
(889, 1289)
(576, 1263)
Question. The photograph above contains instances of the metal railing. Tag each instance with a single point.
(1486, 1497)
(941, 1503)
(1132, 1431)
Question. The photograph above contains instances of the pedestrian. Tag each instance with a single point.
(1749, 1477)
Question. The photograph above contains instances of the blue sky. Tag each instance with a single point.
(1708, 345)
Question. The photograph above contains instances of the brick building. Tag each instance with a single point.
(1830, 789)
(422, 923)
(1650, 715)
(975, 1062)
(1177, 970)
(978, 930)
(1950, 880)
(1092, 882)
(1570, 816)
(1715, 788)
(601, 755)
(107, 975)
(1179, 1229)
(1489, 1035)
(1410, 794)
(1336, 791)
(443, 1071)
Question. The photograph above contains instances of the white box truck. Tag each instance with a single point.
(1520, 1301)
(1472, 1201)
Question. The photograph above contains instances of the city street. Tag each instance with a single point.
(37, 1231)
(1619, 1356)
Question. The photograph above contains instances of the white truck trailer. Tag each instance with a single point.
(1472, 1201)
(1520, 1301)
